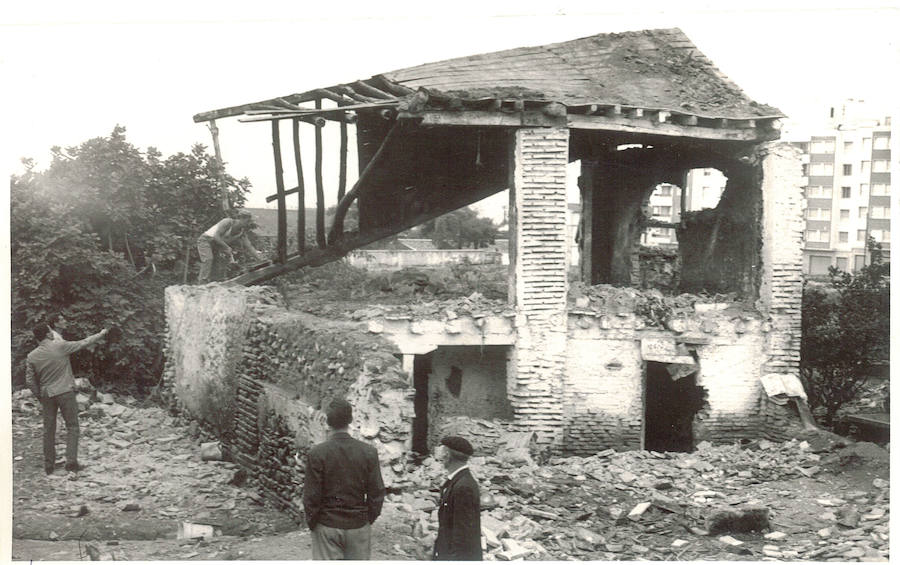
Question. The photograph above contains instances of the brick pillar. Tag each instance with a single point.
(538, 364)
(781, 288)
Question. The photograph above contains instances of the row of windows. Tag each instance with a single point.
(866, 167)
(827, 146)
(878, 212)
(878, 189)
(822, 236)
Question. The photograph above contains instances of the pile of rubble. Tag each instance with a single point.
(659, 506)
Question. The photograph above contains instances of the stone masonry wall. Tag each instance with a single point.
(781, 292)
(276, 370)
(538, 360)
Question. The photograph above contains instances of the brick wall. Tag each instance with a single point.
(781, 289)
(538, 360)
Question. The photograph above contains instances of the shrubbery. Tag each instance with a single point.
(97, 237)
(845, 329)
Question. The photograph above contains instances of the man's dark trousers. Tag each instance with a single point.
(66, 404)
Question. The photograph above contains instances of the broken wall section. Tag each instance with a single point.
(281, 368)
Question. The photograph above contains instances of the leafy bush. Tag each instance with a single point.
(845, 328)
(81, 234)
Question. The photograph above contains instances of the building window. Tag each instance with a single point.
(860, 235)
(881, 236)
(845, 214)
(664, 190)
(881, 166)
(845, 192)
(818, 213)
(864, 190)
(818, 264)
(848, 170)
(881, 212)
(818, 192)
(882, 142)
(822, 170)
(881, 189)
(843, 237)
(841, 263)
(859, 261)
(819, 236)
(662, 211)
(822, 146)
(707, 172)
(848, 145)
(865, 167)
(863, 212)
(804, 169)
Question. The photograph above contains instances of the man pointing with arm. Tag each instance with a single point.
(48, 373)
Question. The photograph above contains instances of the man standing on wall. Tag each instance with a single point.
(48, 373)
(221, 237)
(343, 491)
(459, 510)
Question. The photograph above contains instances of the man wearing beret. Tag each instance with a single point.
(343, 490)
(459, 512)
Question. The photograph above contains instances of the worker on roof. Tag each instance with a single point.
(220, 238)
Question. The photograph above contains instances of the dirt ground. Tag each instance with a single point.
(145, 477)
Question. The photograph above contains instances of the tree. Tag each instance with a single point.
(80, 228)
(460, 229)
(845, 327)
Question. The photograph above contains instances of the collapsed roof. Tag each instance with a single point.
(657, 74)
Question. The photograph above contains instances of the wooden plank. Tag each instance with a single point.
(390, 86)
(320, 187)
(288, 192)
(240, 109)
(326, 111)
(482, 118)
(281, 245)
(301, 193)
(370, 90)
(668, 129)
(342, 171)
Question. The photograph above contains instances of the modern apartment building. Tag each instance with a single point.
(703, 189)
(847, 169)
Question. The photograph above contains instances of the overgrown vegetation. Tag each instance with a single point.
(845, 329)
(97, 236)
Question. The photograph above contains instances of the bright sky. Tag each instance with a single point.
(73, 70)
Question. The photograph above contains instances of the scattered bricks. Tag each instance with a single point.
(830, 501)
(211, 451)
(679, 543)
(131, 507)
(588, 536)
(511, 550)
(880, 483)
(848, 516)
(824, 533)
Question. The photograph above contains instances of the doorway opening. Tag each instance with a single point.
(669, 408)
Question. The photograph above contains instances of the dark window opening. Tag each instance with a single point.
(421, 370)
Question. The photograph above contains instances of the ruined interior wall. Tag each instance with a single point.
(466, 381)
(603, 389)
(604, 381)
(720, 247)
(781, 293)
(538, 360)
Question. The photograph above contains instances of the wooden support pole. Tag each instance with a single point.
(281, 247)
(342, 175)
(320, 188)
(337, 226)
(301, 196)
(214, 130)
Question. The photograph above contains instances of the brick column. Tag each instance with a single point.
(781, 288)
(538, 364)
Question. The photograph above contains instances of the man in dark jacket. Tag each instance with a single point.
(459, 513)
(343, 490)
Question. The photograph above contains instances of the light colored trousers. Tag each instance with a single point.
(335, 543)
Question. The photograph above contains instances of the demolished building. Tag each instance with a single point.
(579, 361)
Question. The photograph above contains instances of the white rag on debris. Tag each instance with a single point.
(782, 386)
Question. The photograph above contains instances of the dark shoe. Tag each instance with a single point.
(49, 470)
(75, 468)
